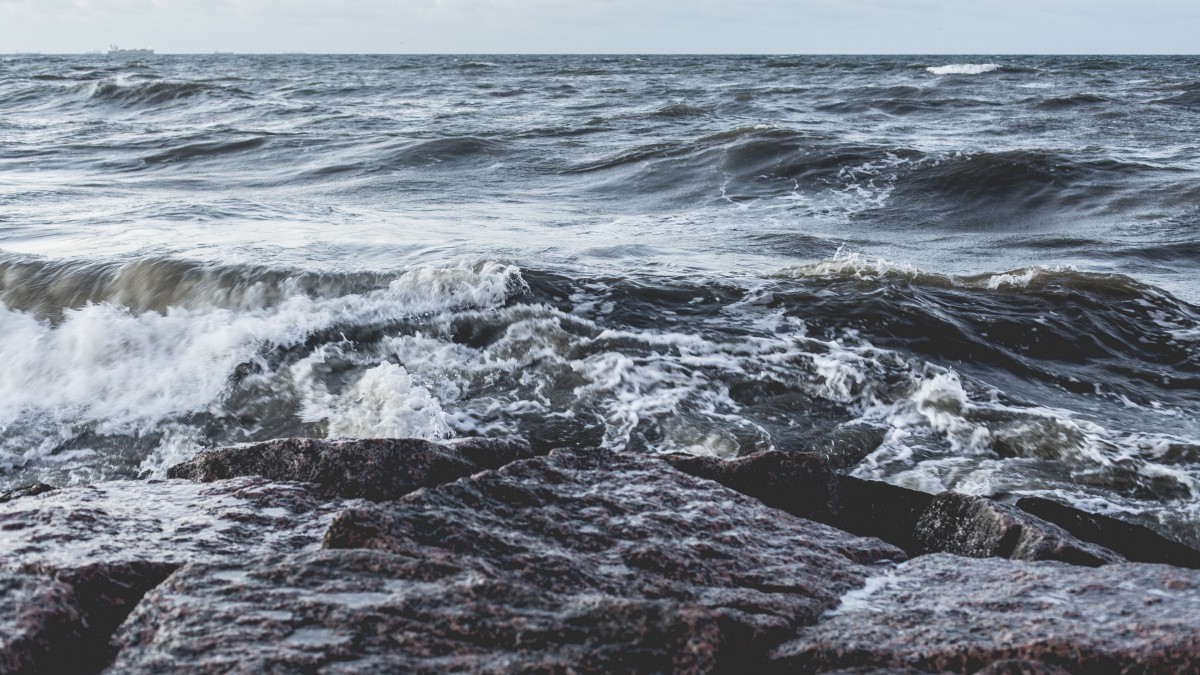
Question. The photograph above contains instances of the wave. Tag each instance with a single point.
(203, 150)
(963, 68)
(144, 363)
(137, 93)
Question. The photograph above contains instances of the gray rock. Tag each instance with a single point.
(947, 613)
(38, 617)
(979, 527)
(373, 612)
(25, 491)
(112, 542)
(376, 469)
(584, 560)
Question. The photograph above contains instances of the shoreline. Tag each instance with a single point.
(478, 554)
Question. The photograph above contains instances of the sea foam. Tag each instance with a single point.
(963, 68)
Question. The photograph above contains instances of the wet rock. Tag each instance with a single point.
(873, 508)
(376, 469)
(595, 521)
(585, 559)
(802, 484)
(39, 618)
(112, 542)
(1021, 667)
(25, 491)
(1136, 543)
(161, 521)
(369, 611)
(850, 443)
(979, 527)
(947, 613)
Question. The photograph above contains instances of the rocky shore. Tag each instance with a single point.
(383, 555)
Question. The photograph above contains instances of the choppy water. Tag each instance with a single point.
(976, 274)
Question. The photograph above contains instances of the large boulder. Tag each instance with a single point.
(583, 560)
(944, 613)
(356, 611)
(376, 468)
(112, 542)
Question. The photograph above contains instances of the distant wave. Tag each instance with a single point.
(964, 68)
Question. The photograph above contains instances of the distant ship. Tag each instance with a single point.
(114, 50)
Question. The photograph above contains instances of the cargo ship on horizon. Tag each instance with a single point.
(114, 50)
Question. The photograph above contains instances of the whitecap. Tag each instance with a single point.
(963, 68)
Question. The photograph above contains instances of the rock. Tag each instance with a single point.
(947, 613)
(979, 527)
(1136, 543)
(376, 469)
(872, 508)
(39, 618)
(803, 484)
(25, 491)
(369, 611)
(585, 560)
(112, 542)
(850, 443)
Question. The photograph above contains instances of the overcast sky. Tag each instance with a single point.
(612, 26)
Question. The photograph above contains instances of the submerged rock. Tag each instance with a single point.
(979, 528)
(583, 560)
(376, 469)
(1137, 543)
(945, 613)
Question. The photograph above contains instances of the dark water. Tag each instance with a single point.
(964, 273)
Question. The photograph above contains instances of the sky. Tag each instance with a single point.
(605, 26)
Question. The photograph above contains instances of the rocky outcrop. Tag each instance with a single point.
(944, 613)
(585, 559)
(373, 612)
(110, 543)
(981, 528)
(374, 469)
(1135, 542)
(31, 490)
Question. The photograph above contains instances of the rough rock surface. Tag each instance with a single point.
(979, 528)
(374, 612)
(37, 616)
(802, 484)
(374, 469)
(112, 542)
(25, 491)
(1137, 543)
(585, 560)
(943, 613)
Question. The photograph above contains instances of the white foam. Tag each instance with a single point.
(385, 402)
(105, 368)
(963, 68)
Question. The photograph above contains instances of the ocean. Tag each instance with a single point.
(950, 273)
